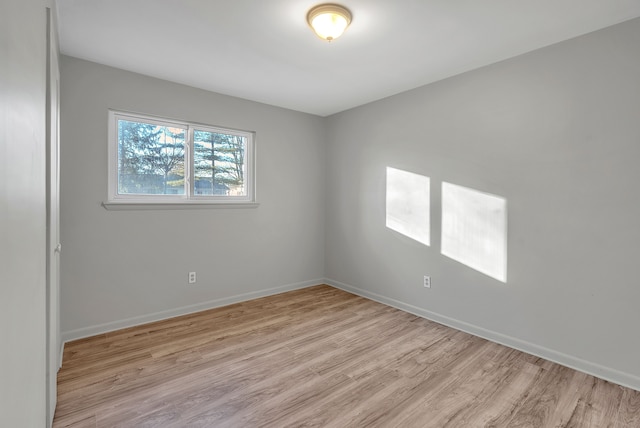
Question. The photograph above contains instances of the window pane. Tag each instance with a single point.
(218, 163)
(150, 159)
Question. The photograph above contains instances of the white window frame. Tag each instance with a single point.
(189, 198)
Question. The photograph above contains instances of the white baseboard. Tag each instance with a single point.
(597, 370)
(81, 333)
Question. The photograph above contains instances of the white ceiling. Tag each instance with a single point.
(263, 50)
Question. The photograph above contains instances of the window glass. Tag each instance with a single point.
(150, 159)
(218, 163)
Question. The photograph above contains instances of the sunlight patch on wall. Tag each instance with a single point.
(408, 204)
(474, 229)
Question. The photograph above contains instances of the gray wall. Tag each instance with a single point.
(557, 133)
(126, 267)
(22, 213)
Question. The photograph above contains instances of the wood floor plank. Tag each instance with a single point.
(629, 410)
(321, 357)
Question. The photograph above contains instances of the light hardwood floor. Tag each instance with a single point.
(322, 357)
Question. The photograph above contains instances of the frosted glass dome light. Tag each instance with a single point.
(329, 20)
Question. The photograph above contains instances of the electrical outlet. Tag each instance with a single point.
(192, 277)
(427, 281)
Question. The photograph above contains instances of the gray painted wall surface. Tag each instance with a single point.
(126, 267)
(557, 133)
(22, 213)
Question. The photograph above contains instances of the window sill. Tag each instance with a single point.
(191, 205)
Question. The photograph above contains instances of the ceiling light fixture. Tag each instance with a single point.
(329, 20)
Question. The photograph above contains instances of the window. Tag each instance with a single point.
(160, 161)
(474, 229)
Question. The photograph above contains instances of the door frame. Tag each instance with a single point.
(54, 358)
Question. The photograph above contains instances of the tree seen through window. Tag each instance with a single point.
(150, 159)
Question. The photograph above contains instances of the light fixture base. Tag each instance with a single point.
(329, 20)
